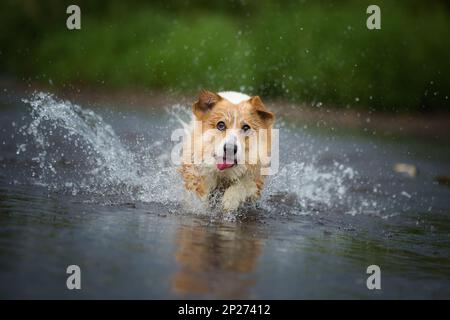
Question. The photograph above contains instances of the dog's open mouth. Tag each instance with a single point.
(225, 164)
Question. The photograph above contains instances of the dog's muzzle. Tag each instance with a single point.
(229, 156)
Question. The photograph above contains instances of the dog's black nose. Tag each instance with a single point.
(228, 147)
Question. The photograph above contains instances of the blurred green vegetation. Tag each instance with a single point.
(303, 51)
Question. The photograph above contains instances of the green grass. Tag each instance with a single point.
(305, 52)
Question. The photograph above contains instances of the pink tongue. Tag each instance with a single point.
(222, 166)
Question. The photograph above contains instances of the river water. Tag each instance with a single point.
(95, 187)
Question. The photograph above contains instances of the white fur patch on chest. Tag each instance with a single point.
(234, 97)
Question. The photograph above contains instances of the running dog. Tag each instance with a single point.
(227, 147)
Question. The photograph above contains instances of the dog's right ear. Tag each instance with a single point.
(204, 104)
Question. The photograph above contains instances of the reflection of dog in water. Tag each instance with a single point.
(215, 262)
(229, 139)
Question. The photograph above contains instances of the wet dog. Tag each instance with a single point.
(228, 145)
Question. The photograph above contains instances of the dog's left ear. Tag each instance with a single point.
(204, 104)
(262, 111)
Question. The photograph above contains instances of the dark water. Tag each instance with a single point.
(97, 189)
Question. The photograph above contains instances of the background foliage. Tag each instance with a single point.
(304, 51)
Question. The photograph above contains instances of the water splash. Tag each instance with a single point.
(77, 151)
(74, 150)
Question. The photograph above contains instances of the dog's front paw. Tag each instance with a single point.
(231, 200)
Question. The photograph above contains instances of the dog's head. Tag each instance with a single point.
(234, 133)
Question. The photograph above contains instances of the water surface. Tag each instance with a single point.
(95, 187)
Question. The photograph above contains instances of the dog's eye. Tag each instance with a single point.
(221, 125)
(245, 127)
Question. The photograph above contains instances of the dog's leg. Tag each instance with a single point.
(236, 194)
(193, 181)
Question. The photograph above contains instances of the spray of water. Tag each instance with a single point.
(74, 150)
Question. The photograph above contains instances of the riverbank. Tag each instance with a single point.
(435, 126)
